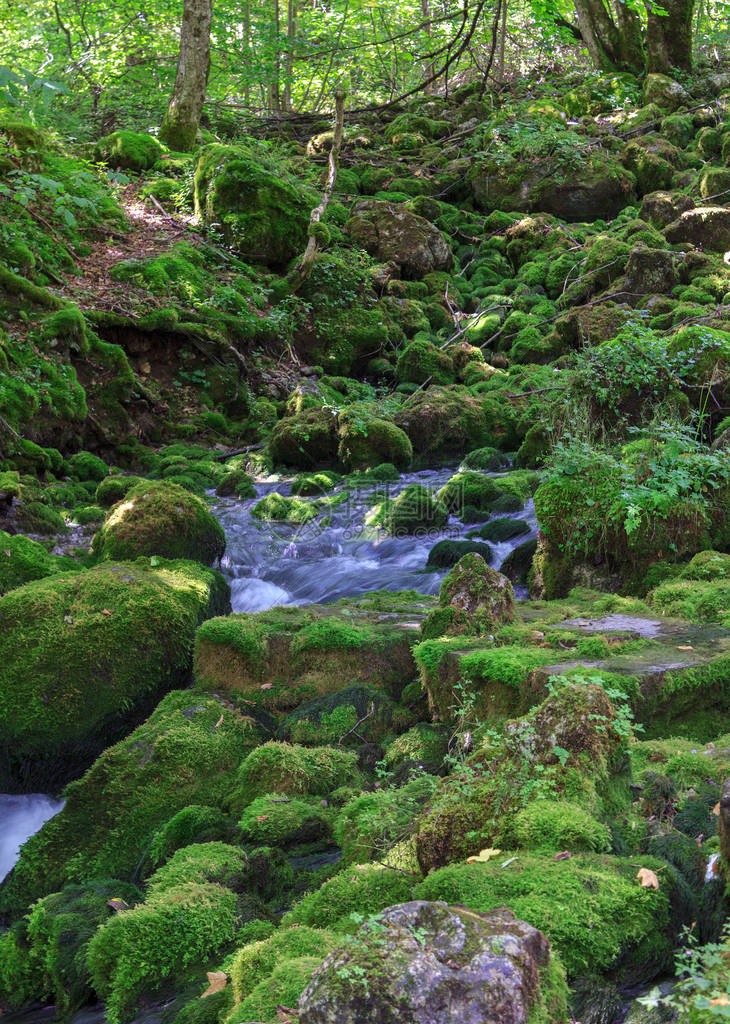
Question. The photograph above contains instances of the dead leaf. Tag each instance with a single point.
(648, 878)
(483, 856)
(565, 855)
(266, 686)
(117, 903)
(217, 981)
(685, 647)
(219, 722)
(8, 552)
(720, 1001)
(262, 817)
(716, 808)
(106, 611)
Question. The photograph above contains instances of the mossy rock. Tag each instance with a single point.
(262, 213)
(360, 890)
(500, 530)
(129, 624)
(196, 823)
(23, 560)
(160, 519)
(421, 361)
(136, 951)
(305, 441)
(278, 508)
(446, 553)
(113, 812)
(592, 908)
(52, 943)
(372, 443)
(414, 511)
(293, 770)
(130, 151)
(86, 466)
(286, 656)
(279, 820)
(470, 489)
(443, 421)
(486, 460)
(236, 483)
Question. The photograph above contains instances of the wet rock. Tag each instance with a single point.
(473, 587)
(428, 963)
(390, 232)
(706, 226)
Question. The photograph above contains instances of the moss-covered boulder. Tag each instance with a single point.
(390, 232)
(665, 92)
(262, 213)
(305, 441)
(23, 560)
(421, 361)
(592, 908)
(706, 226)
(82, 651)
(416, 510)
(293, 770)
(159, 518)
(364, 445)
(281, 658)
(434, 962)
(473, 599)
(443, 421)
(185, 753)
(130, 151)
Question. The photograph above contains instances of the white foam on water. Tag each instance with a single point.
(21, 816)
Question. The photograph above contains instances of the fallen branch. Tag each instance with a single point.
(304, 268)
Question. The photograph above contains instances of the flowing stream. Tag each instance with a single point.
(336, 555)
(21, 817)
(333, 556)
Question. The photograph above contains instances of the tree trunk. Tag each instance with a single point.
(289, 56)
(274, 94)
(613, 40)
(181, 122)
(669, 36)
(430, 66)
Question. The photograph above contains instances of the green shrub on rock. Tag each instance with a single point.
(160, 519)
(130, 625)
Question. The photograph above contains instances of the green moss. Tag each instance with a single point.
(556, 825)
(372, 443)
(137, 950)
(500, 530)
(422, 361)
(256, 962)
(305, 441)
(160, 519)
(182, 755)
(424, 745)
(469, 488)
(293, 770)
(282, 987)
(23, 560)
(443, 421)
(311, 485)
(360, 890)
(447, 553)
(414, 510)
(277, 508)
(131, 151)
(194, 824)
(199, 863)
(280, 820)
(372, 824)
(261, 212)
(54, 936)
(592, 909)
(488, 460)
(130, 624)
(236, 483)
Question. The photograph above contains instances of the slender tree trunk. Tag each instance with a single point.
(502, 43)
(247, 48)
(669, 36)
(181, 122)
(430, 66)
(289, 57)
(275, 98)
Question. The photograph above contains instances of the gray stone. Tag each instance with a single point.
(391, 232)
(706, 226)
(427, 963)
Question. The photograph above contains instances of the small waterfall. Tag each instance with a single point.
(21, 816)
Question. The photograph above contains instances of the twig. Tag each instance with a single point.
(364, 718)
